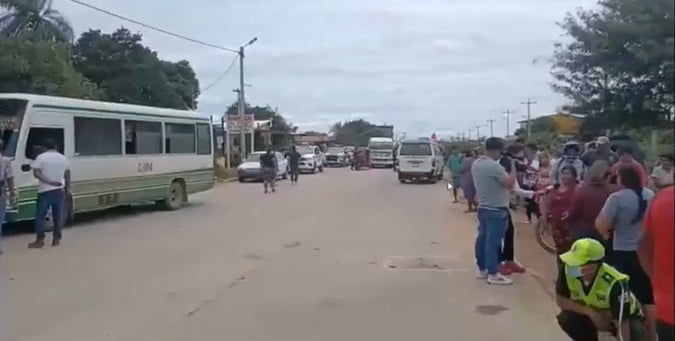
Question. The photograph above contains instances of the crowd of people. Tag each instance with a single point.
(611, 222)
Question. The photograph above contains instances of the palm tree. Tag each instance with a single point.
(33, 19)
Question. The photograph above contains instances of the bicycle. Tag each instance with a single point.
(543, 232)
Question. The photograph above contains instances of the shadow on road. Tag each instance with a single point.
(83, 219)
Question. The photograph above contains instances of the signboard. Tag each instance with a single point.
(234, 125)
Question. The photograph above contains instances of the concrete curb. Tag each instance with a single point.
(225, 180)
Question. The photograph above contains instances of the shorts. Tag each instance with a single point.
(627, 262)
(269, 174)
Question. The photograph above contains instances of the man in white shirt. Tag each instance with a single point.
(52, 170)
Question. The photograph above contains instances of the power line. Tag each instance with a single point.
(154, 28)
(206, 88)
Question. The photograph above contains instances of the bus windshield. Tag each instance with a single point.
(12, 112)
(381, 145)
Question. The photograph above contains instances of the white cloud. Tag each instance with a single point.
(424, 66)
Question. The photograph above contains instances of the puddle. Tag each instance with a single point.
(490, 310)
(424, 263)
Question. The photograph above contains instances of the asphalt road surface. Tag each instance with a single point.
(344, 255)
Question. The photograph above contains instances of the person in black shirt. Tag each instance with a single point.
(294, 163)
(268, 167)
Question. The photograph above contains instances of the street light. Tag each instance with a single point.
(242, 100)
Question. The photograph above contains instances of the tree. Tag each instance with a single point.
(354, 133)
(618, 68)
(34, 19)
(129, 72)
(41, 67)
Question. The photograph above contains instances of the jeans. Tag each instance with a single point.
(295, 170)
(492, 225)
(507, 251)
(54, 199)
(3, 211)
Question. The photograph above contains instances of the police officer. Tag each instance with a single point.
(595, 297)
(570, 157)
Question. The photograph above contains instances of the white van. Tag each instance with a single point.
(418, 160)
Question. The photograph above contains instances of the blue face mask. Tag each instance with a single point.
(574, 271)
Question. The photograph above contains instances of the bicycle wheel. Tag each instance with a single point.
(544, 236)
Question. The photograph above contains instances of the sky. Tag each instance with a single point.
(425, 66)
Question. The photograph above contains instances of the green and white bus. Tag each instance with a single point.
(119, 153)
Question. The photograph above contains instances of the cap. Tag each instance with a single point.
(602, 140)
(583, 251)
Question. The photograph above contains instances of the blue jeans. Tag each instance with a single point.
(3, 210)
(54, 199)
(492, 225)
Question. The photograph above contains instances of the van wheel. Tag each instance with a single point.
(176, 197)
(321, 169)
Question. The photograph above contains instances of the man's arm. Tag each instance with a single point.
(603, 223)
(66, 177)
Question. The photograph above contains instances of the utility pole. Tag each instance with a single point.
(241, 108)
(490, 122)
(507, 114)
(529, 116)
(478, 133)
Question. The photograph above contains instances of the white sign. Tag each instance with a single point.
(234, 125)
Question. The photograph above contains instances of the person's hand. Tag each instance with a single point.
(602, 321)
(12, 197)
(55, 183)
(565, 215)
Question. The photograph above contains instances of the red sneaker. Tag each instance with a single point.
(504, 270)
(514, 267)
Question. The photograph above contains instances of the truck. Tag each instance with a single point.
(381, 151)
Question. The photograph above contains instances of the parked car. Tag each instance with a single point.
(250, 168)
(336, 156)
(312, 158)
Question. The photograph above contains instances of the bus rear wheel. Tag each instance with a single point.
(176, 197)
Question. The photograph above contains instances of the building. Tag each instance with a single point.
(559, 123)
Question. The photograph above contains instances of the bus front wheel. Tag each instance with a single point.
(176, 197)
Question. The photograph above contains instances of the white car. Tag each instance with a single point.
(312, 158)
(250, 168)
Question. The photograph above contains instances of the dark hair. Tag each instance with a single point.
(520, 140)
(49, 144)
(468, 153)
(630, 179)
(626, 150)
(532, 146)
(494, 144)
(514, 148)
(667, 156)
(571, 169)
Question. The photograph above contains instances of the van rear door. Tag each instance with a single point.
(416, 157)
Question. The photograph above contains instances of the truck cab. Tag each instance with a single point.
(381, 151)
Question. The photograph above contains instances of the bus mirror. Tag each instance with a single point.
(25, 167)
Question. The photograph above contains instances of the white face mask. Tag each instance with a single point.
(574, 271)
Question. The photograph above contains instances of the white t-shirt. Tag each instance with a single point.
(53, 166)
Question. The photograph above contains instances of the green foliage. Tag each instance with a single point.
(41, 67)
(618, 68)
(129, 72)
(354, 133)
(34, 20)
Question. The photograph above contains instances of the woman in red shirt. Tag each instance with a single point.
(557, 208)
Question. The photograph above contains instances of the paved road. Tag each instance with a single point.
(311, 262)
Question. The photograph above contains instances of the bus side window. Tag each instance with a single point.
(37, 135)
